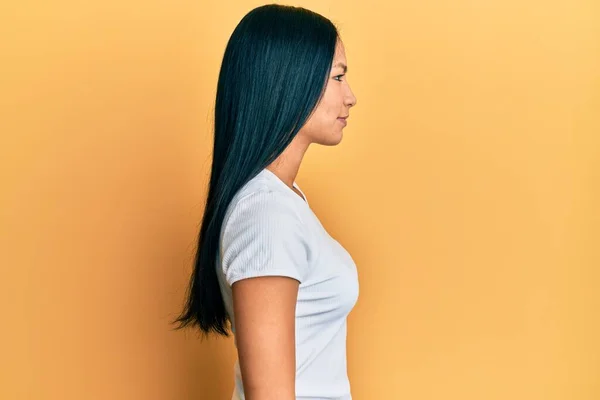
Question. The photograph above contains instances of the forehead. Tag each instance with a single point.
(340, 52)
(339, 58)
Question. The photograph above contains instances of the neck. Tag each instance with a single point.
(287, 165)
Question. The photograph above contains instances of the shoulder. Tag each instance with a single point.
(270, 209)
(263, 234)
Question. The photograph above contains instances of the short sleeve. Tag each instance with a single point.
(264, 236)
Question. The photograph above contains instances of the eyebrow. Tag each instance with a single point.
(341, 64)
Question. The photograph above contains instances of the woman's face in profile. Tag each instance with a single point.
(325, 126)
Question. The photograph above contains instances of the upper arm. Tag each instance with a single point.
(264, 310)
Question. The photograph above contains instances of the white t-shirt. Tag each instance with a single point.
(270, 230)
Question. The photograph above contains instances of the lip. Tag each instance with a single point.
(343, 120)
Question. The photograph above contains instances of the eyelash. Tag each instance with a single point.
(337, 76)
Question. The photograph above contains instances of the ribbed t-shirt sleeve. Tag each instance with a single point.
(264, 236)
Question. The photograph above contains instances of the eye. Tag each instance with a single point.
(338, 76)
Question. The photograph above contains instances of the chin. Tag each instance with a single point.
(334, 140)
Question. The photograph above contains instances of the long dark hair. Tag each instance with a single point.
(273, 75)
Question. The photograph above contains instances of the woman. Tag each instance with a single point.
(264, 261)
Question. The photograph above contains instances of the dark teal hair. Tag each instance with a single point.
(273, 75)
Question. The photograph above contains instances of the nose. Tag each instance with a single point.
(353, 102)
(350, 99)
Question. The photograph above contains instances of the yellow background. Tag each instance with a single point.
(466, 188)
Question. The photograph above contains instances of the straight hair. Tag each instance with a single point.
(273, 75)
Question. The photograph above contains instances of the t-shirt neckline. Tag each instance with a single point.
(276, 178)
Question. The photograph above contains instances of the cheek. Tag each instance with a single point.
(325, 114)
(331, 110)
(330, 105)
(327, 111)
